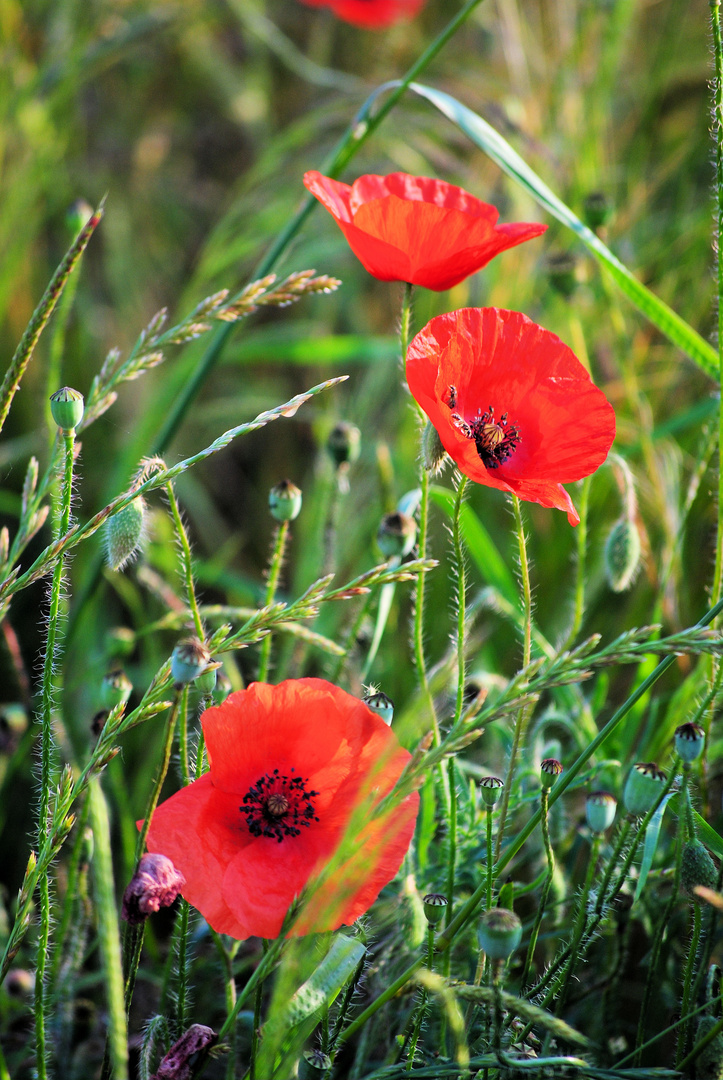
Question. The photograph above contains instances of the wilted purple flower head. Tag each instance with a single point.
(179, 1062)
(155, 884)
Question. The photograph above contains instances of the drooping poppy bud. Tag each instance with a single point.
(155, 884)
(434, 455)
(643, 788)
(125, 534)
(67, 408)
(499, 933)
(622, 554)
(600, 807)
(550, 769)
(285, 501)
(396, 535)
(697, 868)
(344, 443)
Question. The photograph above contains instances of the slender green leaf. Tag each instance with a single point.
(657, 311)
(651, 842)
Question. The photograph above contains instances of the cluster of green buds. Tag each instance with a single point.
(67, 407)
(285, 501)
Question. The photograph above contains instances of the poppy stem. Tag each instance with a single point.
(524, 714)
(581, 537)
(544, 826)
(277, 558)
(718, 137)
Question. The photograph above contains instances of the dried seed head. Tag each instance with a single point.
(396, 535)
(622, 555)
(188, 660)
(67, 407)
(125, 534)
(285, 501)
(550, 769)
(155, 884)
(600, 807)
(499, 933)
(643, 788)
(689, 742)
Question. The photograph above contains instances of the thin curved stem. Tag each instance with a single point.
(277, 559)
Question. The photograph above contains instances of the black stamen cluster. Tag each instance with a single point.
(495, 440)
(261, 819)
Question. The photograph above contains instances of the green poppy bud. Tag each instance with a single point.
(206, 681)
(125, 534)
(600, 807)
(188, 660)
(67, 407)
(550, 769)
(313, 1064)
(643, 788)
(490, 789)
(597, 210)
(434, 455)
(697, 868)
(689, 742)
(499, 933)
(344, 443)
(434, 907)
(115, 689)
(622, 554)
(380, 704)
(709, 1062)
(397, 535)
(222, 688)
(561, 272)
(285, 501)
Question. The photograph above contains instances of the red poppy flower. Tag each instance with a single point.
(372, 14)
(289, 767)
(512, 404)
(412, 228)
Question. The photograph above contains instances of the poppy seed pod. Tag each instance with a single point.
(115, 689)
(285, 501)
(600, 807)
(125, 534)
(561, 272)
(490, 789)
(622, 555)
(344, 443)
(550, 769)
(313, 1064)
(499, 933)
(206, 681)
(67, 408)
(188, 660)
(155, 884)
(396, 535)
(689, 742)
(697, 868)
(380, 704)
(597, 210)
(435, 906)
(643, 788)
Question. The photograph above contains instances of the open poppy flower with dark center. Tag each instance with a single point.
(513, 406)
(290, 766)
(412, 228)
(371, 14)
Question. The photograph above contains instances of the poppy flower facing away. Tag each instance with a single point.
(412, 228)
(371, 14)
(290, 765)
(513, 406)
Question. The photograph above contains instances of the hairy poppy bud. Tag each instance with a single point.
(115, 689)
(622, 554)
(550, 769)
(125, 534)
(67, 408)
(185, 1055)
(600, 807)
(697, 868)
(499, 933)
(313, 1064)
(155, 884)
(285, 501)
(344, 443)
(434, 455)
(434, 907)
(490, 789)
(396, 535)
(380, 704)
(561, 272)
(597, 210)
(188, 660)
(689, 742)
(643, 788)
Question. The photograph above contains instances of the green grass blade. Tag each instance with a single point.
(660, 315)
